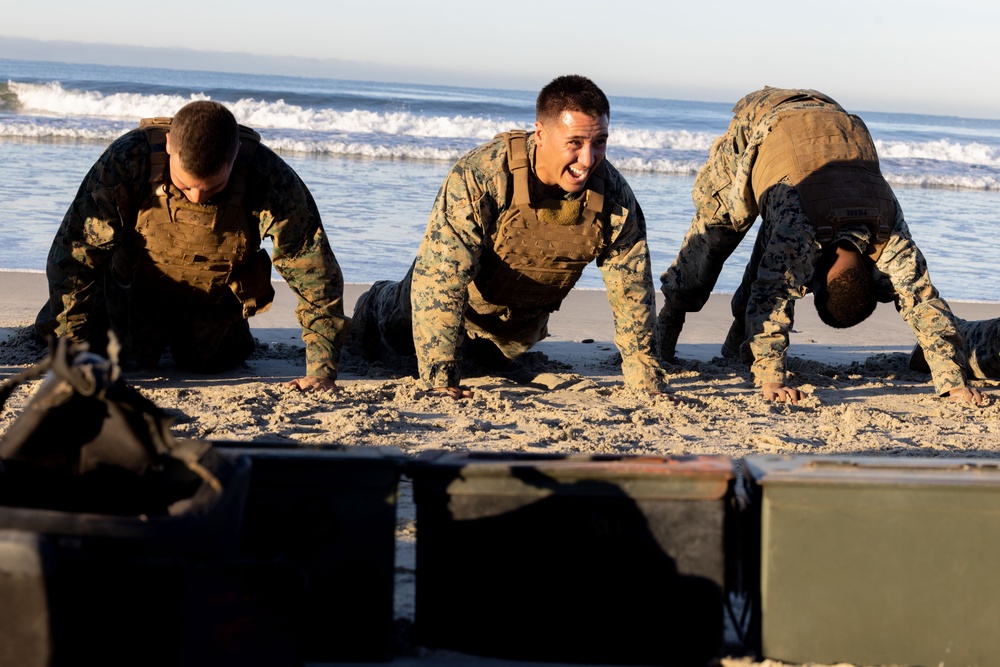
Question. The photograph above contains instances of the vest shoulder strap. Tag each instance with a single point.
(517, 162)
(249, 140)
(156, 134)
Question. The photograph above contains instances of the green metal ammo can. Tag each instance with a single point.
(875, 560)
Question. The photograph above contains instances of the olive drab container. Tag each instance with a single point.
(572, 558)
(875, 560)
(324, 518)
(25, 634)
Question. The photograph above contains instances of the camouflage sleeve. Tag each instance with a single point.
(923, 309)
(788, 254)
(739, 151)
(304, 258)
(628, 279)
(725, 209)
(446, 263)
(88, 234)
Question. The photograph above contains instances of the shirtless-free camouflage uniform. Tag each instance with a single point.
(981, 339)
(783, 265)
(84, 295)
(431, 312)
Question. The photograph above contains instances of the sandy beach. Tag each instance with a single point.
(567, 396)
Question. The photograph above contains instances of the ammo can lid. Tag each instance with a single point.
(489, 473)
(885, 470)
(294, 450)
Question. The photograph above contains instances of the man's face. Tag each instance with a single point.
(197, 190)
(569, 149)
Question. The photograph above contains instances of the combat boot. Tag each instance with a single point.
(365, 339)
(731, 348)
(917, 361)
(668, 330)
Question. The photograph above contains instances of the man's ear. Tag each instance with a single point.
(168, 144)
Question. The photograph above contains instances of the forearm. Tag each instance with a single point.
(769, 347)
(937, 334)
(324, 331)
(438, 298)
(920, 305)
(770, 312)
(445, 265)
(74, 269)
(315, 277)
(628, 282)
(781, 268)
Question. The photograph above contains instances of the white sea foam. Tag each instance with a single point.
(964, 181)
(52, 99)
(940, 149)
(657, 165)
(678, 140)
(73, 107)
(45, 131)
(363, 149)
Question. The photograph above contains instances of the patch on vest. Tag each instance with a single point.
(559, 212)
(856, 213)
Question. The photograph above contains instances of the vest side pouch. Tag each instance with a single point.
(714, 180)
(251, 283)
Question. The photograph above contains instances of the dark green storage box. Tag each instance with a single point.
(328, 515)
(876, 560)
(575, 558)
(25, 619)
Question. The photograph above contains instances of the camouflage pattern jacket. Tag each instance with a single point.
(727, 207)
(280, 204)
(789, 257)
(478, 188)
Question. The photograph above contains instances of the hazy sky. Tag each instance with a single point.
(932, 56)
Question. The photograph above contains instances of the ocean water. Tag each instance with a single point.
(375, 154)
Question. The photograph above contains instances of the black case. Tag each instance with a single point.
(576, 558)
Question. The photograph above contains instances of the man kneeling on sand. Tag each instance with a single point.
(162, 246)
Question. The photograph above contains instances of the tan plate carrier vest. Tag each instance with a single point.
(532, 263)
(190, 249)
(830, 158)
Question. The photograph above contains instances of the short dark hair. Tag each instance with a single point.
(848, 299)
(571, 92)
(205, 136)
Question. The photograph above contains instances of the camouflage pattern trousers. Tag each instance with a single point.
(687, 284)
(982, 345)
(780, 270)
(981, 339)
(384, 316)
